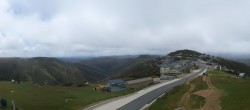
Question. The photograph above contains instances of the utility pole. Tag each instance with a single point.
(13, 103)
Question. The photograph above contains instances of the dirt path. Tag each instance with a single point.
(184, 100)
(211, 85)
(212, 95)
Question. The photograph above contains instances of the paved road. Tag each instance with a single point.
(138, 103)
(137, 100)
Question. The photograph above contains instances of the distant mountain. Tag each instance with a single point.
(117, 66)
(246, 61)
(48, 70)
(146, 69)
(185, 53)
(74, 59)
(66, 71)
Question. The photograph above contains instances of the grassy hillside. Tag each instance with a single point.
(182, 96)
(29, 96)
(235, 91)
(171, 99)
(233, 94)
(48, 70)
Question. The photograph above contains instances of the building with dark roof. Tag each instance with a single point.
(116, 85)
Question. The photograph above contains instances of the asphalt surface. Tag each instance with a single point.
(145, 99)
(142, 98)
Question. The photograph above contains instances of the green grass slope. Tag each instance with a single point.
(235, 91)
(171, 99)
(29, 96)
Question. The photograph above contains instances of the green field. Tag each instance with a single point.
(28, 96)
(235, 95)
(171, 99)
(199, 84)
(196, 101)
(236, 92)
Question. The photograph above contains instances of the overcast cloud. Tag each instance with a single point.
(117, 27)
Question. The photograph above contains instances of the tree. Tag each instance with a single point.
(3, 103)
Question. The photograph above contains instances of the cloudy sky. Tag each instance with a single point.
(117, 27)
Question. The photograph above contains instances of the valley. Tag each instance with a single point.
(70, 85)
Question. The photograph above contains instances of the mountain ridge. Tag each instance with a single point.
(47, 70)
(74, 71)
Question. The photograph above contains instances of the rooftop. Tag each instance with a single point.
(116, 81)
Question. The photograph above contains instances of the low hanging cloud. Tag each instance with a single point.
(94, 27)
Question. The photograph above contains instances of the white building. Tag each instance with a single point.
(242, 75)
(164, 70)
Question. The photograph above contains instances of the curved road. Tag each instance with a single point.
(138, 100)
